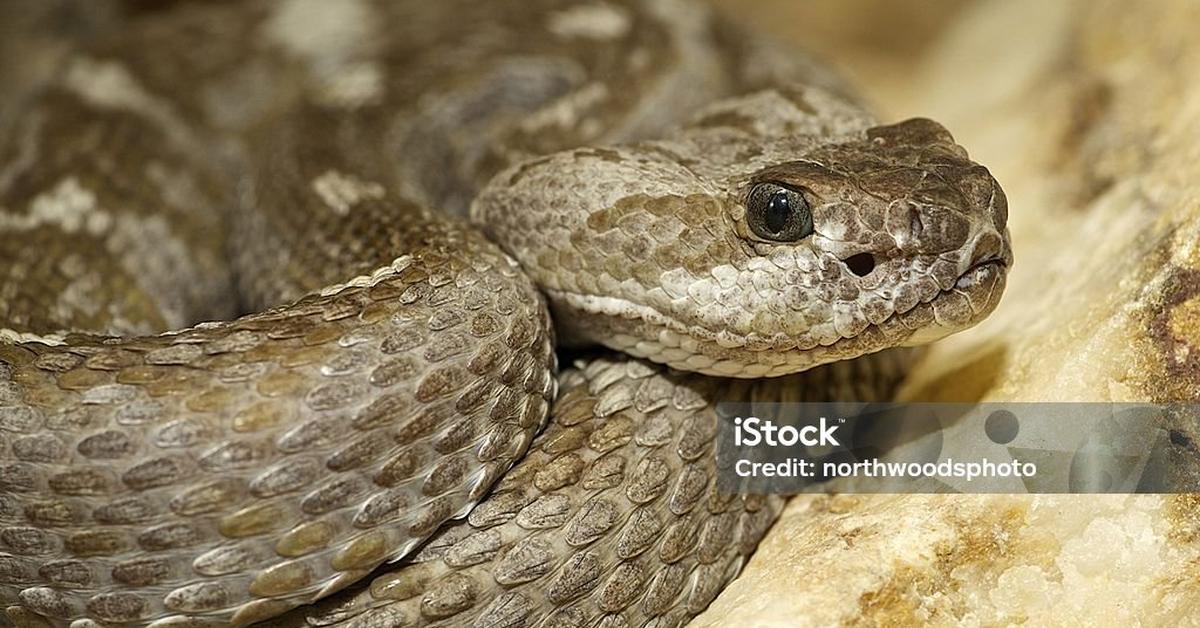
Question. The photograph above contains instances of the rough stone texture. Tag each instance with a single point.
(1090, 123)
(967, 560)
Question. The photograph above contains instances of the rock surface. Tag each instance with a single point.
(1088, 113)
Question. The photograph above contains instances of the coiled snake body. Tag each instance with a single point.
(668, 186)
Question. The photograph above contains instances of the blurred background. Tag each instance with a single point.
(878, 44)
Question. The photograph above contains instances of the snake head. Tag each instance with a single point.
(777, 233)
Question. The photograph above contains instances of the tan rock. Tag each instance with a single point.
(970, 560)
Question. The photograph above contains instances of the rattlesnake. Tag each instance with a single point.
(668, 186)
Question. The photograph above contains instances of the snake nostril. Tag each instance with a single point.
(861, 264)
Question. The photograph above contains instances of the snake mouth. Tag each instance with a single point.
(973, 296)
(979, 272)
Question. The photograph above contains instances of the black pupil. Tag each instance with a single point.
(778, 212)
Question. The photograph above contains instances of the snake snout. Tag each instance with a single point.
(984, 195)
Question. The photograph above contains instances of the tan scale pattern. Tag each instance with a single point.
(283, 455)
(612, 519)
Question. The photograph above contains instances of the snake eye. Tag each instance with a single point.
(778, 213)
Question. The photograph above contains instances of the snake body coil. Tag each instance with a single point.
(667, 186)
